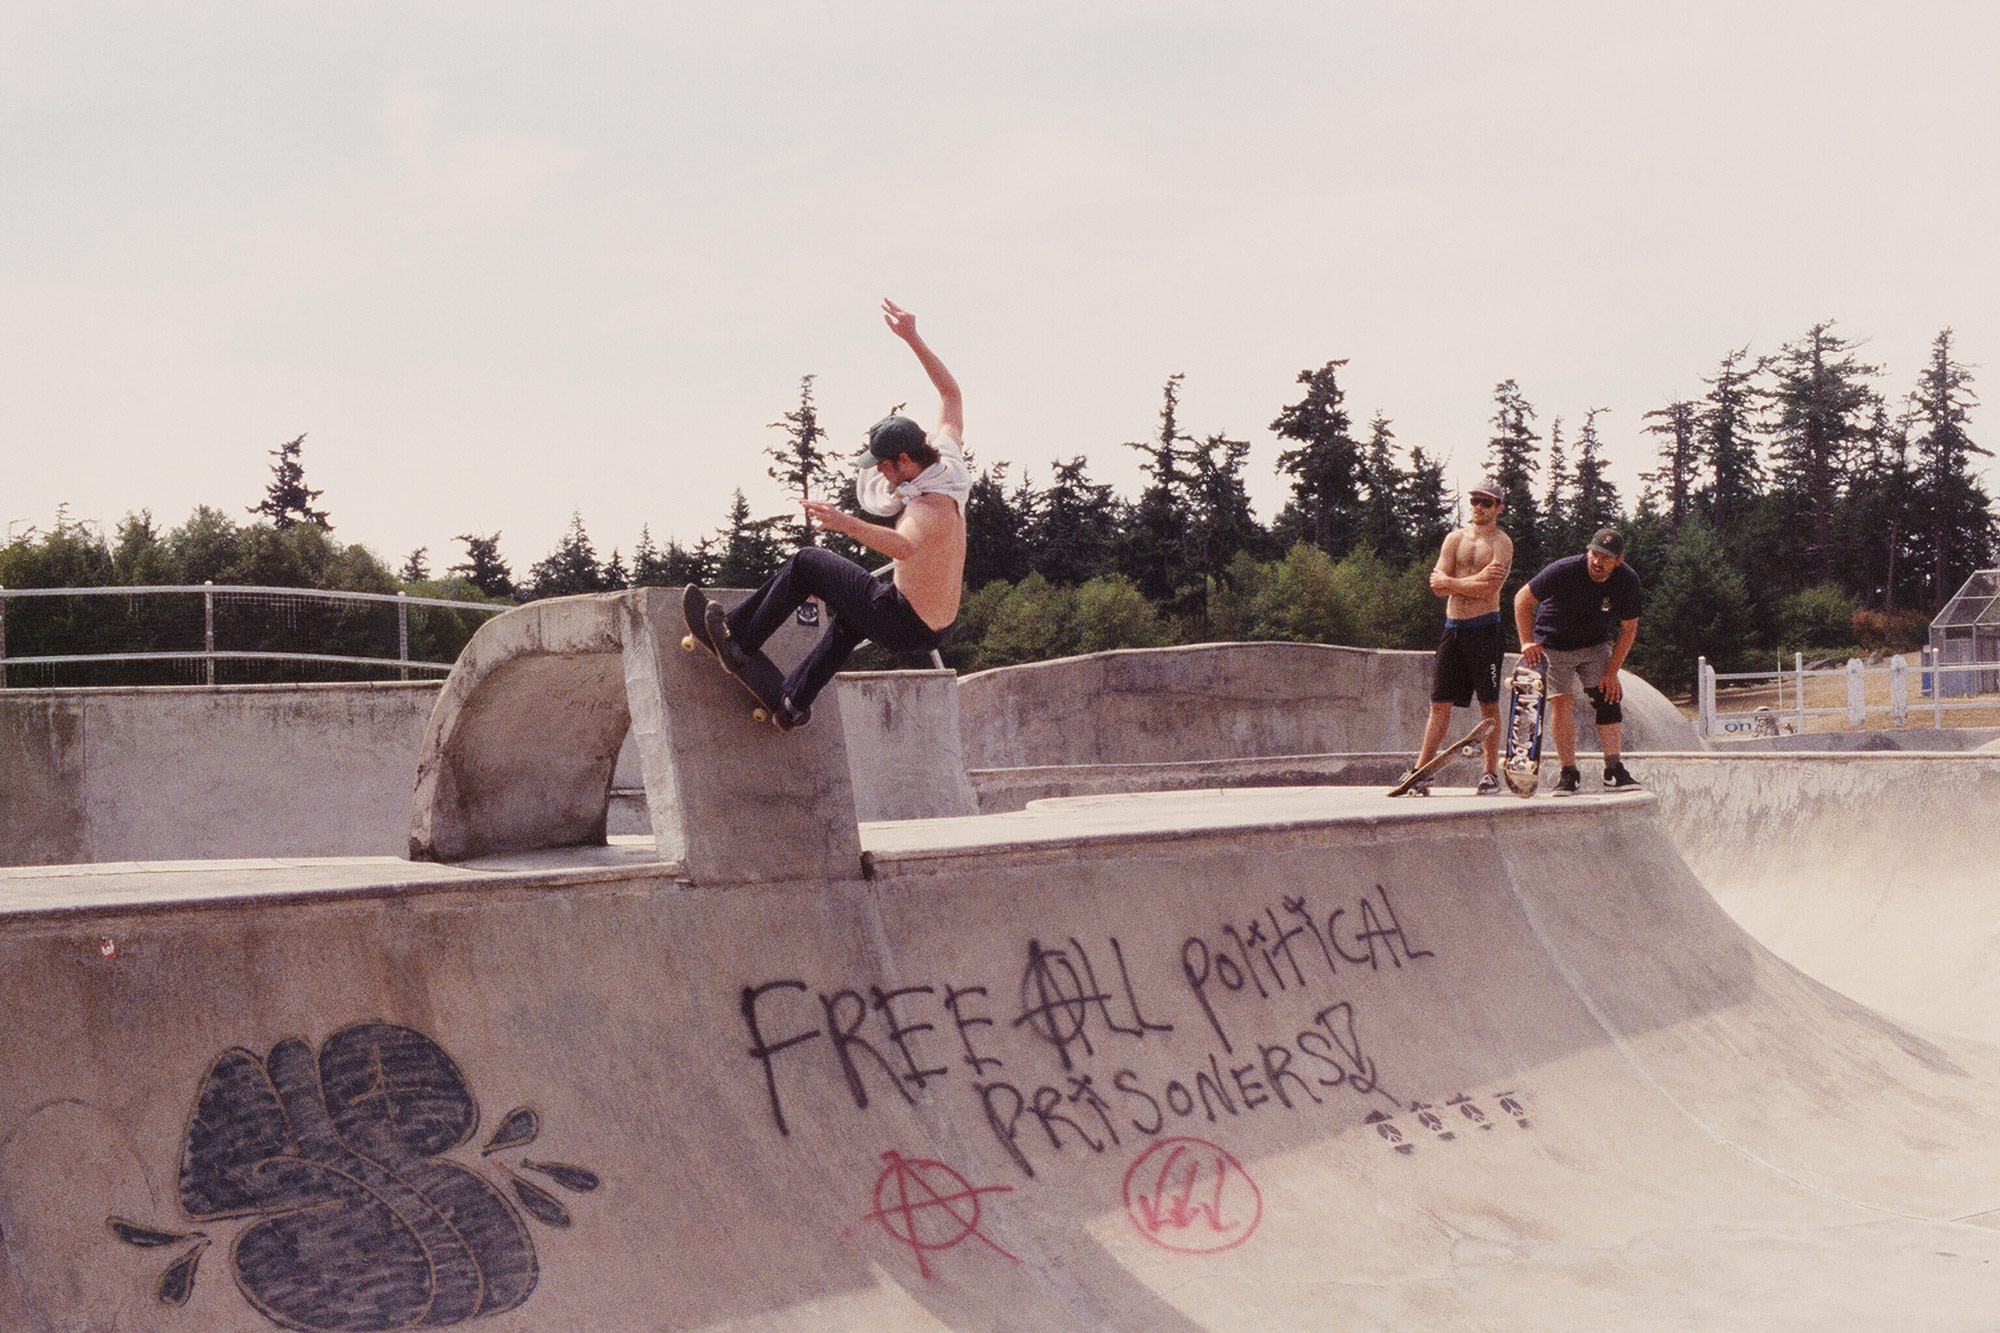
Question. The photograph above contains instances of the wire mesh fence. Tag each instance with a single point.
(221, 635)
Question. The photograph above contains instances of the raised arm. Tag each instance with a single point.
(951, 405)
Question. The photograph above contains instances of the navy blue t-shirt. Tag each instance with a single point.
(1576, 610)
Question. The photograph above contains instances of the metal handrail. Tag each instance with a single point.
(328, 594)
(246, 655)
(209, 654)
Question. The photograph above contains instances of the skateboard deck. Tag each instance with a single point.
(1444, 756)
(759, 677)
(1521, 757)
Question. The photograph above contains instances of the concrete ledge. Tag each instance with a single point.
(522, 748)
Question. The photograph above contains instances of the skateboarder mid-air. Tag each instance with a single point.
(1471, 566)
(910, 604)
(1582, 614)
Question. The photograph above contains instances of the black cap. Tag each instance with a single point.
(1609, 541)
(893, 436)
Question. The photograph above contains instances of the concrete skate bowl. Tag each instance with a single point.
(1233, 701)
(1874, 872)
(1219, 1061)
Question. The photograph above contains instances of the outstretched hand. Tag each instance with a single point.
(823, 515)
(900, 321)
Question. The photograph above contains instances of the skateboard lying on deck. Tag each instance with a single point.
(1521, 755)
(759, 677)
(1465, 744)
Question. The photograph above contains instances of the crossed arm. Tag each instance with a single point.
(1486, 583)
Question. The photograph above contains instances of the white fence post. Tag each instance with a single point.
(1704, 698)
(1937, 690)
(403, 632)
(1799, 688)
(1899, 692)
(208, 628)
(1857, 694)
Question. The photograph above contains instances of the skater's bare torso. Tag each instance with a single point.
(931, 576)
(926, 545)
(1471, 567)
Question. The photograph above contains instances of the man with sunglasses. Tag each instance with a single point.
(1471, 566)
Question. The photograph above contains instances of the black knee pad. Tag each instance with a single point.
(1607, 713)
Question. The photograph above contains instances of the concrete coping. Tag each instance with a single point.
(1101, 823)
(1095, 826)
(31, 894)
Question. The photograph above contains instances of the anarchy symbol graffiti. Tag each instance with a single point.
(930, 1207)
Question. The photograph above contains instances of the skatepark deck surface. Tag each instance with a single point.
(1291, 1058)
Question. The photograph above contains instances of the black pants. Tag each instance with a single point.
(859, 606)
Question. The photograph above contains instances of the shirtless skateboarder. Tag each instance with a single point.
(1471, 566)
(920, 480)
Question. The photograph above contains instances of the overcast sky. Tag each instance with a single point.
(501, 261)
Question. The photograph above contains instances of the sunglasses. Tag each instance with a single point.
(1483, 501)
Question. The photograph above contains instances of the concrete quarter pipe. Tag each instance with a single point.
(1278, 1059)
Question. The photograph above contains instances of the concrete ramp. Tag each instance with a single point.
(523, 745)
(1210, 701)
(1876, 873)
(1282, 1059)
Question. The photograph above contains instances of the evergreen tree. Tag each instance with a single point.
(1727, 426)
(139, 558)
(1678, 426)
(1879, 515)
(699, 561)
(1076, 526)
(208, 547)
(416, 566)
(800, 464)
(1696, 606)
(1823, 399)
(1956, 511)
(483, 566)
(1326, 467)
(287, 500)
(1382, 509)
(1221, 523)
(1559, 500)
(615, 578)
(1512, 466)
(1156, 552)
(996, 529)
(1426, 511)
(1597, 505)
(571, 568)
(750, 550)
(648, 564)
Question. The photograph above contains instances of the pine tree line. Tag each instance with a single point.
(1793, 504)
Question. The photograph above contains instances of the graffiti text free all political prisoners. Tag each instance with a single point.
(1250, 996)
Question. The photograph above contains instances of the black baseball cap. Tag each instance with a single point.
(892, 437)
(1609, 541)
